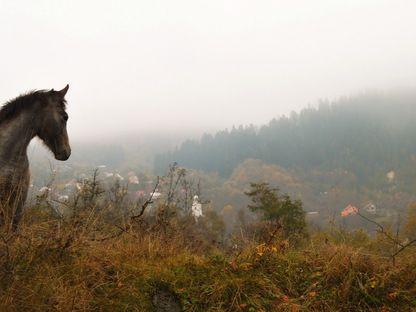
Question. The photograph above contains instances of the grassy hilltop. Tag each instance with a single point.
(97, 252)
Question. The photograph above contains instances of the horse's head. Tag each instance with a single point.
(52, 127)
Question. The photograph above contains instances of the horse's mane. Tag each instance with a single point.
(20, 103)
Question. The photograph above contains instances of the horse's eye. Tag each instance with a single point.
(65, 116)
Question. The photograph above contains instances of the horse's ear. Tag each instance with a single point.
(63, 91)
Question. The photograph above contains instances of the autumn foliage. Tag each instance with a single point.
(98, 258)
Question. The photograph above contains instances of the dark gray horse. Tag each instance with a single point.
(38, 113)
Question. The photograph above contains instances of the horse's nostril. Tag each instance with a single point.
(63, 155)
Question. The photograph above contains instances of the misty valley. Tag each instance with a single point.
(358, 150)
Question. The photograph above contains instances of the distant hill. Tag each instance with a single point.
(367, 135)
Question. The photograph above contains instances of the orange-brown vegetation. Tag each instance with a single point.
(97, 258)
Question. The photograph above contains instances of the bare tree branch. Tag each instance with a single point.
(381, 229)
(403, 247)
(147, 202)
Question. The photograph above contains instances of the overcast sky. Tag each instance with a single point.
(186, 64)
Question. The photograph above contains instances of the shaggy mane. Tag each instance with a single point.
(11, 108)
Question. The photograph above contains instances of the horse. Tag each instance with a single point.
(39, 114)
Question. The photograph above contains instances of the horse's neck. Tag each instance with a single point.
(15, 136)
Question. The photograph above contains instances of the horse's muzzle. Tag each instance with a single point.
(63, 155)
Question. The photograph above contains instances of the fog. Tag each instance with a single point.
(174, 66)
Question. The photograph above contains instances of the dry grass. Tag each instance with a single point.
(97, 258)
(54, 265)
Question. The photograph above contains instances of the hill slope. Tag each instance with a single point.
(367, 135)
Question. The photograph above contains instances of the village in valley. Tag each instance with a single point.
(322, 204)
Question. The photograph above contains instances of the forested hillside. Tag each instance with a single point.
(367, 135)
